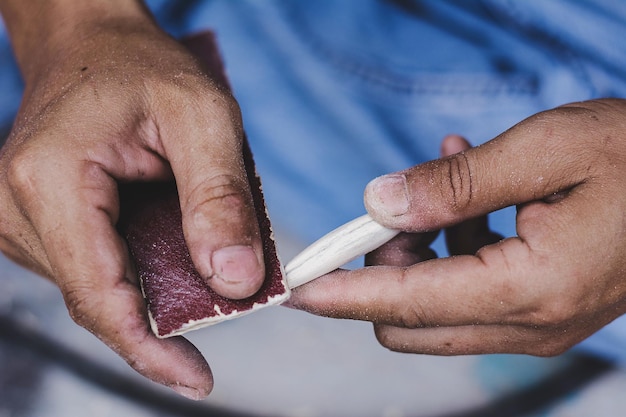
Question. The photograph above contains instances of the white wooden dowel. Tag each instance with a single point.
(337, 248)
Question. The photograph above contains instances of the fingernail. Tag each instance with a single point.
(187, 392)
(388, 195)
(236, 264)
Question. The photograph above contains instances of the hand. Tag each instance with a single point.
(113, 99)
(554, 284)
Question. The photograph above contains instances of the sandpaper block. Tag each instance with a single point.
(178, 299)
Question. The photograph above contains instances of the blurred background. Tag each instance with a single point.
(334, 93)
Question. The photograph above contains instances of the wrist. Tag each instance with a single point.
(44, 32)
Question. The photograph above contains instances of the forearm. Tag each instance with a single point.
(41, 29)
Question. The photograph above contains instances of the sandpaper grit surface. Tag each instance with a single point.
(177, 297)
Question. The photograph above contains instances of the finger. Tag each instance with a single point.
(467, 237)
(74, 210)
(204, 146)
(516, 167)
(475, 340)
(114, 311)
(457, 291)
(479, 339)
(403, 250)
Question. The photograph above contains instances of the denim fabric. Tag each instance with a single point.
(10, 85)
(335, 93)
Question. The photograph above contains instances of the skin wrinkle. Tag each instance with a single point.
(202, 221)
(82, 310)
(116, 156)
(414, 315)
(222, 187)
(460, 178)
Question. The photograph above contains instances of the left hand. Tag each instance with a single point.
(111, 99)
(558, 281)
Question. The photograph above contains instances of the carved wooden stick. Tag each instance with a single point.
(337, 248)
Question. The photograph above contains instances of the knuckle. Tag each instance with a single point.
(457, 182)
(554, 313)
(87, 298)
(414, 317)
(196, 89)
(22, 172)
(224, 194)
(222, 97)
(412, 314)
(221, 109)
(555, 316)
(82, 305)
(222, 189)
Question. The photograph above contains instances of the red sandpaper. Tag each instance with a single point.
(177, 297)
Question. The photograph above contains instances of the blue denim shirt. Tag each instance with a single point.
(335, 93)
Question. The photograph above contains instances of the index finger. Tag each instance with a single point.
(456, 291)
(73, 208)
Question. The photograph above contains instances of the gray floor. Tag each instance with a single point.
(277, 362)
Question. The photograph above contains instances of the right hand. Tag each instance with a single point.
(113, 100)
(562, 278)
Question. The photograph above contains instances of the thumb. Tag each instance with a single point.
(218, 213)
(528, 162)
